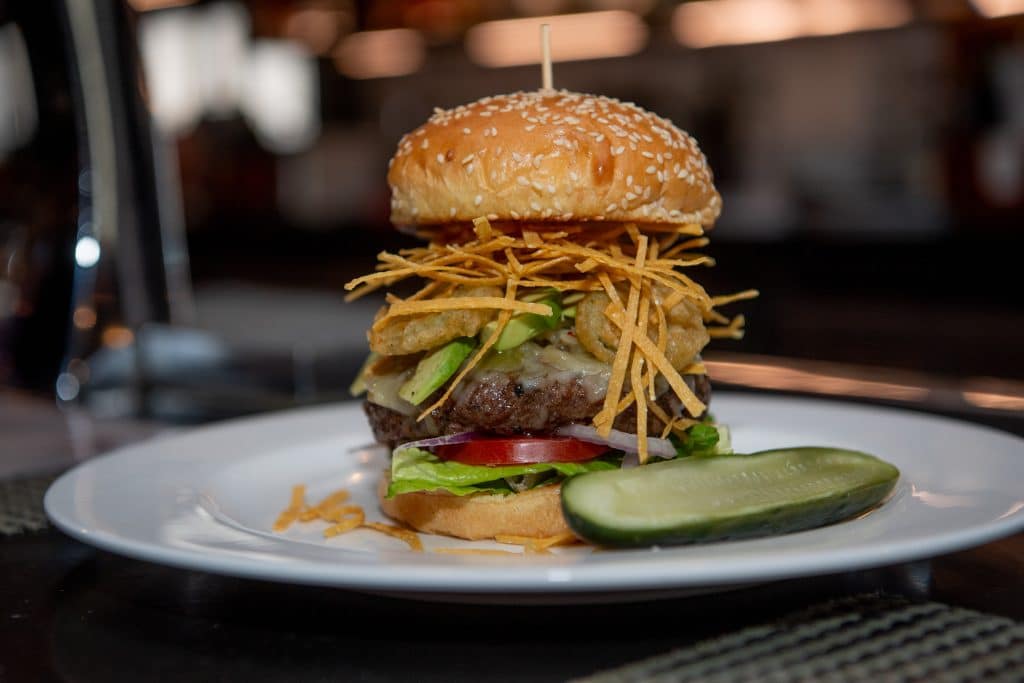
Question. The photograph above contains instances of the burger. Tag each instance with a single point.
(550, 324)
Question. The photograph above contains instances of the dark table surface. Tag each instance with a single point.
(71, 612)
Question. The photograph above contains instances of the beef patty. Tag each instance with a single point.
(499, 403)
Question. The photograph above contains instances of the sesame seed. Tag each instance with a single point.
(523, 181)
(629, 180)
(637, 189)
(575, 176)
(552, 189)
(535, 206)
(618, 150)
(451, 212)
(651, 169)
(425, 143)
(647, 154)
(469, 168)
(515, 214)
(492, 216)
(529, 128)
(468, 158)
(466, 131)
(537, 185)
(611, 207)
(485, 113)
(478, 200)
(630, 196)
(440, 158)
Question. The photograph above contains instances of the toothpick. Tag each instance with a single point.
(545, 49)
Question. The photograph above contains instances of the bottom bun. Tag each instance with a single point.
(536, 513)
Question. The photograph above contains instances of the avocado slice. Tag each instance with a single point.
(435, 369)
(526, 326)
(358, 385)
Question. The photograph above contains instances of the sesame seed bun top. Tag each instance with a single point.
(550, 156)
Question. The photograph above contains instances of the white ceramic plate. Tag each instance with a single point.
(207, 499)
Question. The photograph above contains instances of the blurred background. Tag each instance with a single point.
(186, 186)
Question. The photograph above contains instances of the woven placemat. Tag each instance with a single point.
(864, 638)
(21, 504)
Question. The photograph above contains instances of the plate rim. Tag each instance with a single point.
(554, 577)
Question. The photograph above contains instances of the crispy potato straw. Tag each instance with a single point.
(345, 518)
(294, 510)
(573, 259)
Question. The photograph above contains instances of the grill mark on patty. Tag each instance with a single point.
(499, 403)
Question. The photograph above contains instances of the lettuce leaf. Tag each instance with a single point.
(704, 438)
(414, 469)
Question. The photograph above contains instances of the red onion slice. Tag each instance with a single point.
(444, 440)
(623, 441)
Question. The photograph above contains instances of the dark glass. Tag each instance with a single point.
(89, 205)
(38, 198)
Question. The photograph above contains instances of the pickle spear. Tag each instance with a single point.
(700, 500)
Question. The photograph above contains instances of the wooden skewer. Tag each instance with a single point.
(545, 49)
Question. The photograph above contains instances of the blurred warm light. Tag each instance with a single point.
(782, 378)
(194, 62)
(150, 5)
(586, 35)
(998, 8)
(117, 337)
(281, 95)
(84, 317)
(80, 369)
(733, 22)
(318, 28)
(380, 54)
(832, 17)
(995, 400)
(730, 22)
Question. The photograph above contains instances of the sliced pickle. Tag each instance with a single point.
(699, 500)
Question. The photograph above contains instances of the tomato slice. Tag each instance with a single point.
(520, 450)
